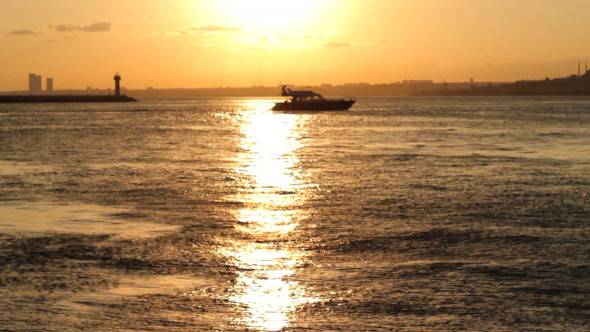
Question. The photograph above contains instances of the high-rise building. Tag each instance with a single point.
(49, 85)
(34, 83)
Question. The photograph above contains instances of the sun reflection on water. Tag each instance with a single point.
(273, 193)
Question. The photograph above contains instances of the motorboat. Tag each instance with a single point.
(310, 101)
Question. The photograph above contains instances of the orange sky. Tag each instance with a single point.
(210, 43)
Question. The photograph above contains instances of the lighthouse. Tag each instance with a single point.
(117, 87)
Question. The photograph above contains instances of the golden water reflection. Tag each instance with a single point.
(273, 194)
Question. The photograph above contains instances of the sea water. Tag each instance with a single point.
(408, 214)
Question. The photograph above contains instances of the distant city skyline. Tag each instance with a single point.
(36, 83)
(212, 43)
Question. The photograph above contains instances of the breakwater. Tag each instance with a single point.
(65, 99)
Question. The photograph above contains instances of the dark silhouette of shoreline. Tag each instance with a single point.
(65, 99)
(574, 85)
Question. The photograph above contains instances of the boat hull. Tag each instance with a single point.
(315, 105)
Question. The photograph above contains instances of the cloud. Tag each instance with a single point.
(336, 44)
(24, 32)
(282, 37)
(98, 27)
(285, 36)
(94, 27)
(161, 34)
(253, 48)
(219, 28)
(185, 31)
(64, 28)
(201, 29)
(214, 28)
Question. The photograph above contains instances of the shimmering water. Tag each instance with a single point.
(410, 214)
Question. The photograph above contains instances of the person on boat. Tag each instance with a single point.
(286, 91)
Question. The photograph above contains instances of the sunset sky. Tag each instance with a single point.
(211, 43)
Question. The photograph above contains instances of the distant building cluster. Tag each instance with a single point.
(35, 85)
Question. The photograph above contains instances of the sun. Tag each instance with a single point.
(269, 15)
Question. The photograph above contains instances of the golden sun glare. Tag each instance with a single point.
(268, 14)
(272, 194)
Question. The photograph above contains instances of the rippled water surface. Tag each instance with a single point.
(417, 214)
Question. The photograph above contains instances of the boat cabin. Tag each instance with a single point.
(301, 95)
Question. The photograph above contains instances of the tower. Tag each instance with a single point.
(117, 87)
(49, 85)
